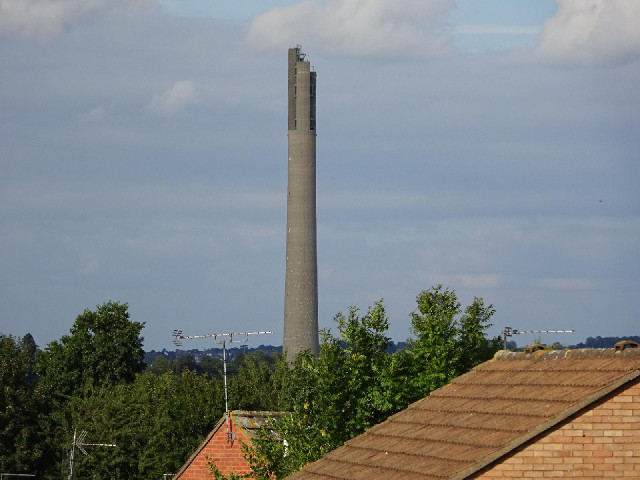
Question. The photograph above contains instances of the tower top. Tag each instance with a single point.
(302, 91)
(297, 50)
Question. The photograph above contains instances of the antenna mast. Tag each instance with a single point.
(79, 442)
(508, 332)
(223, 339)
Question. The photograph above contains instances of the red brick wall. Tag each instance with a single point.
(603, 442)
(227, 457)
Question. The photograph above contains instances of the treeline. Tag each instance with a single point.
(209, 362)
(232, 352)
(603, 342)
(95, 380)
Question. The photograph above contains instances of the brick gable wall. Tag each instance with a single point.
(227, 457)
(603, 443)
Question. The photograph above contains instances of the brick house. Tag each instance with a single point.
(547, 414)
(223, 446)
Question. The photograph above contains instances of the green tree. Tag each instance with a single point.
(435, 350)
(156, 422)
(396, 381)
(335, 395)
(104, 347)
(187, 362)
(474, 345)
(261, 383)
(212, 367)
(21, 406)
(367, 363)
(355, 382)
(447, 346)
(160, 365)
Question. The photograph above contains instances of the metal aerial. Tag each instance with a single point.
(508, 332)
(223, 339)
(78, 441)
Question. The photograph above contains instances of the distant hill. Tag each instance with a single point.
(232, 352)
(209, 352)
(198, 355)
(603, 342)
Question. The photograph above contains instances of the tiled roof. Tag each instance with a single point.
(480, 416)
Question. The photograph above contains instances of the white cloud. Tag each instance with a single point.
(257, 237)
(90, 264)
(181, 95)
(45, 19)
(579, 283)
(403, 28)
(142, 198)
(496, 30)
(93, 115)
(467, 280)
(591, 32)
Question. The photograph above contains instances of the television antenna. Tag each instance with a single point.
(223, 339)
(508, 332)
(78, 441)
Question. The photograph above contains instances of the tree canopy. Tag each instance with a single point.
(104, 347)
(356, 382)
(21, 436)
(446, 344)
(93, 379)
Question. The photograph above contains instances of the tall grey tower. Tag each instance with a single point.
(301, 279)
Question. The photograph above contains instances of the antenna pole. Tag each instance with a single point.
(225, 338)
(226, 394)
(73, 448)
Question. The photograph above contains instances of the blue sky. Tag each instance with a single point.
(489, 146)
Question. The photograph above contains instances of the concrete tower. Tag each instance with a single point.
(301, 282)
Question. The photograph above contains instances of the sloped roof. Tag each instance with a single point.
(480, 416)
(251, 421)
(246, 421)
